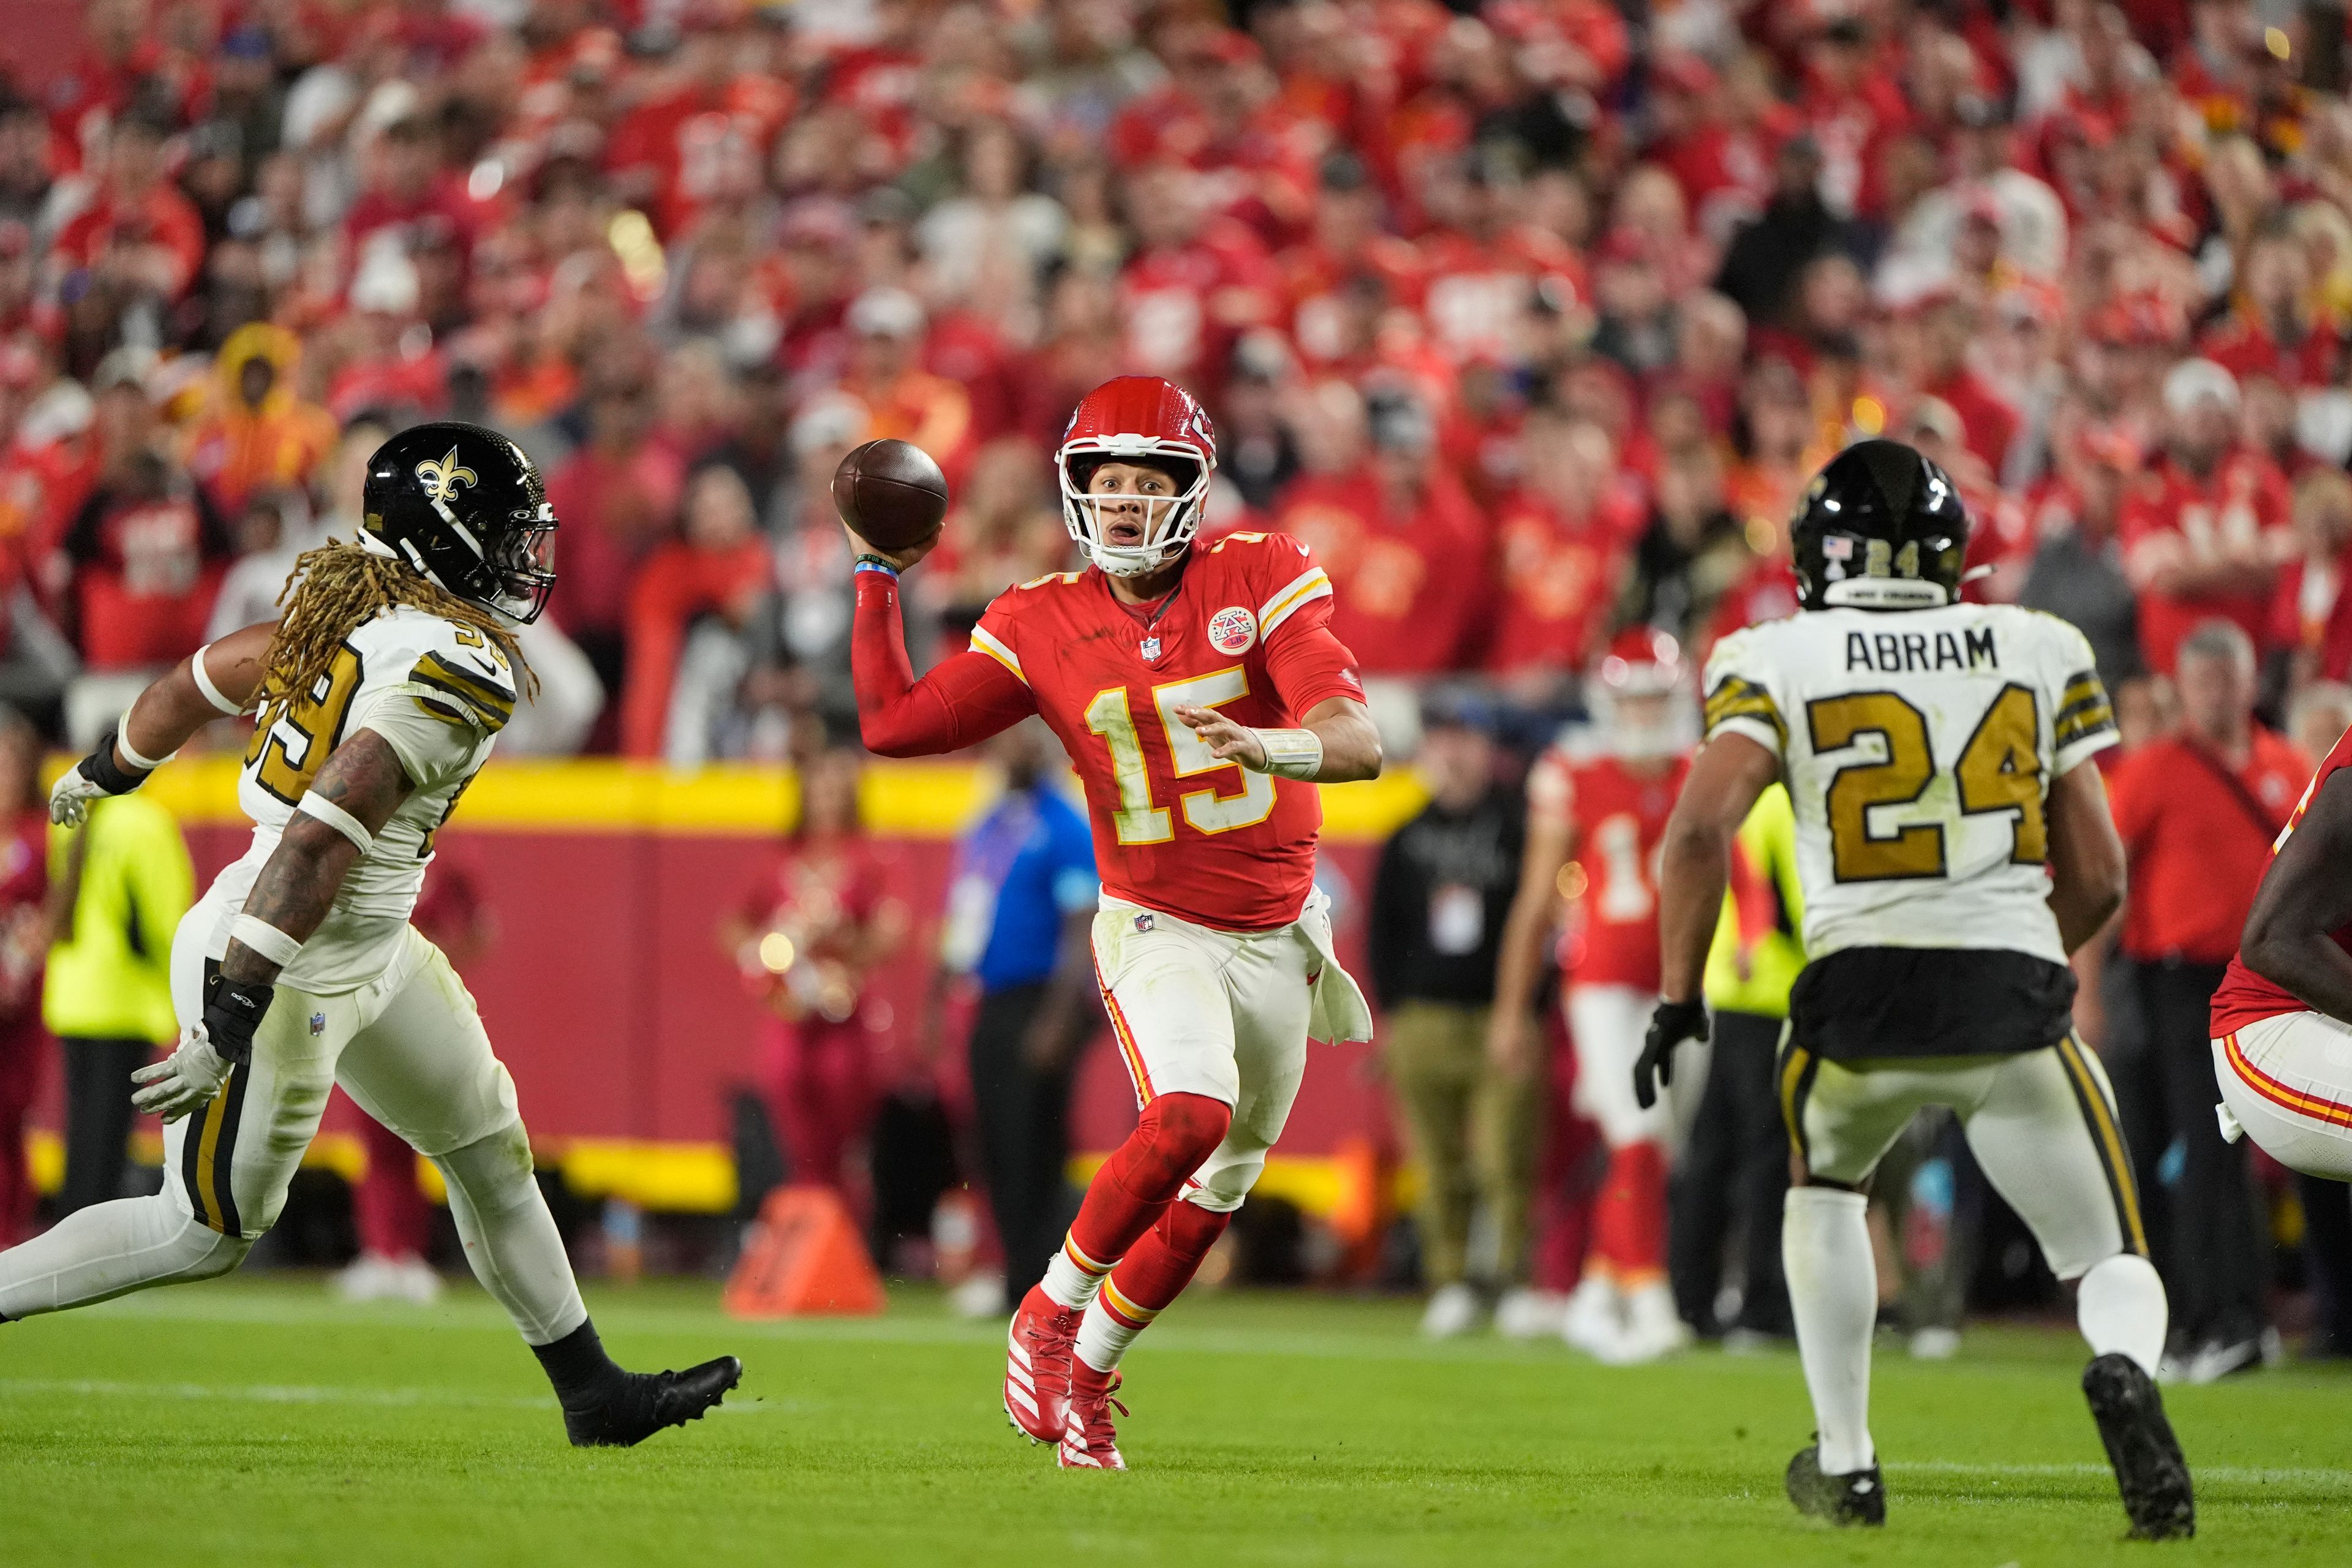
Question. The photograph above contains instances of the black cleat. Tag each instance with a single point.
(650, 1401)
(2149, 1470)
(1856, 1498)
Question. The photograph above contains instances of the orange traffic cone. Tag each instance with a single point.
(803, 1258)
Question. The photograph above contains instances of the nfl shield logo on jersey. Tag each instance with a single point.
(317, 1024)
(1144, 921)
(1150, 648)
(1233, 629)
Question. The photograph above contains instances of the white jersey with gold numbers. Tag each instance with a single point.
(1919, 748)
(438, 692)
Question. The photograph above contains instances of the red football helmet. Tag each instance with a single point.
(1640, 696)
(1136, 418)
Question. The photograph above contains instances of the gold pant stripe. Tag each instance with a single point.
(2108, 1140)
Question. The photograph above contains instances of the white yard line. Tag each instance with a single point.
(310, 1393)
(268, 1393)
(2251, 1476)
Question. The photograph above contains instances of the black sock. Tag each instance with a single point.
(576, 1364)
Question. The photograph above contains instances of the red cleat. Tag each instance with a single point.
(1090, 1442)
(1037, 1365)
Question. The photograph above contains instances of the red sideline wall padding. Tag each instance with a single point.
(607, 995)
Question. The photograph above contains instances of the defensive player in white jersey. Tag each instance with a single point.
(379, 695)
(1955, 847)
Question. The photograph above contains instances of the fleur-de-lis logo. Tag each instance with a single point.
(441, 480)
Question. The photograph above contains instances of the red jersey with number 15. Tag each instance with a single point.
(1176, 829)
(2244, 997)
(1619, 819)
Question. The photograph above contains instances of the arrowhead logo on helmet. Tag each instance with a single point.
(1142, 420)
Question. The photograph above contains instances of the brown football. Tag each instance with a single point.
(890, 493)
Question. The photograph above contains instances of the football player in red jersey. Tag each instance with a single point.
(2281, 1042)
(1593, 830)
(1200, 694)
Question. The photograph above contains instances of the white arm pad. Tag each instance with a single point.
(123, 744)
(1293, 753)
(212, 694)
(265, 939)
(313, 803)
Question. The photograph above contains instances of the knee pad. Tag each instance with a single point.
(204, 1253)
(1176, 1133)
(1224, 1186)
(492, 1173)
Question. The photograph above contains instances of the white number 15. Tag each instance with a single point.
(1138, 820)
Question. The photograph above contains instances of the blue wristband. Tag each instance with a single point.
(876, 563)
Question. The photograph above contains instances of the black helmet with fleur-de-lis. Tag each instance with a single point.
(465, 507)
(1880, 528)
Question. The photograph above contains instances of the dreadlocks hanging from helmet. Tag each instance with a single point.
(338, 588)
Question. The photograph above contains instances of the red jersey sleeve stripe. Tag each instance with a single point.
(1308, 586)
(991, 645)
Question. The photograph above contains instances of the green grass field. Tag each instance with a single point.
(258, 1422)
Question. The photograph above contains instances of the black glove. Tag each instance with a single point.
(1670, 1026)
(233, 1011)
(100, 769)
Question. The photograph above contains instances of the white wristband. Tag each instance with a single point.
(123, 744)
(1293, 753)
(265, 939)
(212, 694)
(314, 805)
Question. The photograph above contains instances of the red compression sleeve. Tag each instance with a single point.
(1310, 666)
(963, 702)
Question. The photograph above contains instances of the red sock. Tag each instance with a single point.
(1629, 1218)
(1135, 1184)
(1152, 1276)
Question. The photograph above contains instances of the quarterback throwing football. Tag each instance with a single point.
(1200, 694)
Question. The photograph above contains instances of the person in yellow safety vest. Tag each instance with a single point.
(1734, 1169)
(122, 883)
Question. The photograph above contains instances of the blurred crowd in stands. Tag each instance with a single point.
(1531, 317)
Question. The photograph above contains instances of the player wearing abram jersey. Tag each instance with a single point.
(1201, 695)
(1954, 848)
(379, 697)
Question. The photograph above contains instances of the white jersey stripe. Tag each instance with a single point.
(993, 647)
(1304, 588)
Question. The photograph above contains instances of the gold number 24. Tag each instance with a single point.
(2000, 769)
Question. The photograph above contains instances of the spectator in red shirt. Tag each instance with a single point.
(1933, 350)
(148, 551)
(681, 681)
(1195, 282)
(2274, 327)
(2198, 811)
(407, 193)
(617, 495)
(140, 231)
(2206, 530)
(2311, 614)
(1557, 550)
(705, 141)
(1405, 549)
